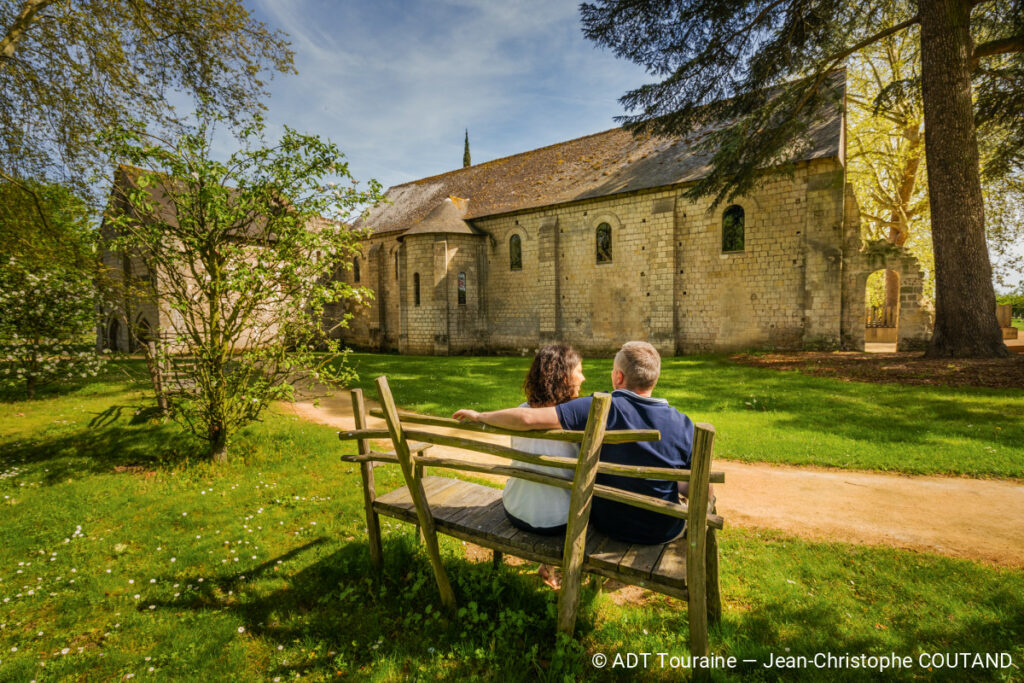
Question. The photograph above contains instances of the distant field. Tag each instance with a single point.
(762, 415)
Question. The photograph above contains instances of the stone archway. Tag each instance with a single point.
(915, 319)
(882, 307)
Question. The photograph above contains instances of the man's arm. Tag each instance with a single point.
(519, 419)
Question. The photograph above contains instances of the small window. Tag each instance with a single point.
(396, 265)
(462, 289)
(415, 289)
(355, 269)
(732, 228)
(604, 243)
(515, 253)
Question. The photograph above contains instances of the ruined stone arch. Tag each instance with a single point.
(915, 317)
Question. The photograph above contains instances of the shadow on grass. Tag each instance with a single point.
(106, 444)
(784, 629)
(352, 618)
(349, 619)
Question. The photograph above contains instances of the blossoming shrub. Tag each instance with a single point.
(47, 328)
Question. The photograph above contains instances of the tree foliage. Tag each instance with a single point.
(43, 225)
(750, 75)
(238, 256)
(70, 68)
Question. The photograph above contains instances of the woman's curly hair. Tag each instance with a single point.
(549, 381)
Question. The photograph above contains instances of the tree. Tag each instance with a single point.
(885, 164)
(45, 225)
(885, 151)
(762, 67)
(47, 323)
(70, 68)
(240, 259)
(466, 161)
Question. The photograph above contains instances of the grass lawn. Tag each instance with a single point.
(124, 553)
(763, 415)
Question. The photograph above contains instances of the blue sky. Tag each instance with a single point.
(394, 84)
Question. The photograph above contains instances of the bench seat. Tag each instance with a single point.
(474, 513)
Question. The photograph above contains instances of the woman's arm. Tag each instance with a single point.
(520, 419)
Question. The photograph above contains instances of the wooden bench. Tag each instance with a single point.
(685, 568)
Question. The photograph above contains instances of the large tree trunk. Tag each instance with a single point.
(965, 302)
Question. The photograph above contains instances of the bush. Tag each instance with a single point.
(46, 322)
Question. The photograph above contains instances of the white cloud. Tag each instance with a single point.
(394, 84)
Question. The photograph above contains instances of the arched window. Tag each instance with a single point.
(515, 253)
(604, 243)
(732, 228)
(114, 335)
(355, 269)
(462, 289)
(415, 289)
(396, 265)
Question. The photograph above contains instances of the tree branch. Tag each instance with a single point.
(997, 47)
(35, 199)
(17, 30)
(839, 56)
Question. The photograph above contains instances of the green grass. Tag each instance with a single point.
(259, 570)
(763, 415)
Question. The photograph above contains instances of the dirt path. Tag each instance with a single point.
(975, 519)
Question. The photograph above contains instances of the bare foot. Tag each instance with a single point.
(550, 576)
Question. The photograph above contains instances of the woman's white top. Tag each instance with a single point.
(536, 504)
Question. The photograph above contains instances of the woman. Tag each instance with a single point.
(554, 377)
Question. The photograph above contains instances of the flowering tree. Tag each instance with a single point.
(47, 327)
(239, 257)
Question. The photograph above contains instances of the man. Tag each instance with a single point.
(634, 375)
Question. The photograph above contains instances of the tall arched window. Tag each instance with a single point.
(462, 289)
(732, 228)
(515, 253)
(396, 265)
(415, 289)
(603, 238)
(355, 269)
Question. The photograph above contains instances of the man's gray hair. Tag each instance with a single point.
(640, 364)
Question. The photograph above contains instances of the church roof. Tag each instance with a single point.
(446, 217)
(598, 165)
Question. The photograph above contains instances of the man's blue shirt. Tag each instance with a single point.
(631, 411)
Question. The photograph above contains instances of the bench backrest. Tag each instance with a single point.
(403, 431)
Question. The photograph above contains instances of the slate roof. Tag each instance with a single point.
(598, 165)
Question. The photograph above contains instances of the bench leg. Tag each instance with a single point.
(597, 582)
(369, 489)
(497, 559)
(714, 595)
(417, 474)
(372, 521)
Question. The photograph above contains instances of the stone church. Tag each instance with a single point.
(591, 242)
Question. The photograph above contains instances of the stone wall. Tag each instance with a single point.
(668, 281)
